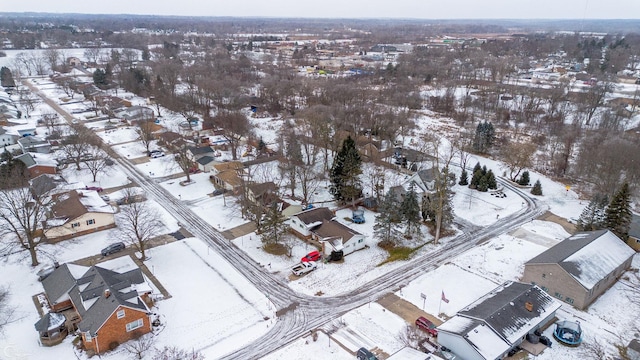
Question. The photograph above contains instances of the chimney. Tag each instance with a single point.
(107, 293)
(56, 264)
(529, 306)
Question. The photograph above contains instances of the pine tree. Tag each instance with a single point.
(618, 214)
(345, 171)
(593, 216)
(386, 226)
(475, 179)
(477, 167)
(537, 188)
(410, 210)
(483, 184)
(484, 137)
(464, 178)
(524, 179)
(274, 228)
(491, 180)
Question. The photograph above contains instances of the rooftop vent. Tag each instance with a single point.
(529, 306)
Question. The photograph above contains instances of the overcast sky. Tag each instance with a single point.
(425, 9)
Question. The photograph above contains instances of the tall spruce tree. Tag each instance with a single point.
(593, 216)
(537, 188)
(345, 171)
(410, 210)
(464, 178)
(524, 179)
(484, 137)
(618, 214)
(386, 226)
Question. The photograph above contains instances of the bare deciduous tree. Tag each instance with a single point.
(77, 144)
(140, 346)
(235, 125)
(145, 131)
(518, 157)
(174, 353)
(138, 223)
(96, 161)
(22, 215)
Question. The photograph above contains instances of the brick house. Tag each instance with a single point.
(581, 267)
(78, 212)
(37, 166)
(107, 307)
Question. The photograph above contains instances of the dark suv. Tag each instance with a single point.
(364, 354)
(112, 249)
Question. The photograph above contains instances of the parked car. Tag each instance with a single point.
(312, 256)
(364, 354)
(110, 127)
(42, 274)
(151, 152)
(426, 325)
(157, 154)
(96, 188)
(217, 192)
(105, 198)
(303, 268)
(112, 249)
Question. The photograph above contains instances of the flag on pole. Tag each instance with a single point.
(444, 298)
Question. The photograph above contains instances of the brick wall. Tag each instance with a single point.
(114, 330)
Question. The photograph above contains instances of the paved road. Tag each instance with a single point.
(298, 314)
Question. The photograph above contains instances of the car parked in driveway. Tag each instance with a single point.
(312, 256)
(96, 188)
(112, 249)
(157, 154)
(426, 325)
(364, 354)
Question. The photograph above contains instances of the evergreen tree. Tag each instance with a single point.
(477, 167)
(524, 179)
(464, 178)
(483, 184)
(429, 204)
(537, 188)
(484, 137)
(99, 78)
(410, 210)
(345, 171)
(491, 180)
(618, 214)
(475, 179)
(593, 216)
(386, 226)
(6, 77)
(274, 228)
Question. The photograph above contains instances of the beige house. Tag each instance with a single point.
(78, 212)
(580, 268)
(227, 176)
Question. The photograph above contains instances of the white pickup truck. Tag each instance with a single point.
(303, 268)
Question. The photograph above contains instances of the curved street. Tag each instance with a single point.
(298, 314)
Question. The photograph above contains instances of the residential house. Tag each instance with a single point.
(424, 181)
(38, 165)
(6, 138)
(34, 145)
(303, 222)
(289, 210)
(263, 194)
(196, 152)
(135, 113)
(108, 308)
(634, 233)
(78, 212)
(498, 322)
(206, 163)
(581, 267)
(24, 130)
(74, 61)
(334, 236)
(227, 175)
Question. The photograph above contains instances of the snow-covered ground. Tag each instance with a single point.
(214, 310)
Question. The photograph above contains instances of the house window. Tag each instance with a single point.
(361, 240)
(558, 295)
(569, 300)
(87, 336)
(638, 240)
(91, 222)
(120, 314)
(75, 225)
(134, 325)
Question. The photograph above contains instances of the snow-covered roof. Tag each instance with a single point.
(408, 353)
(587, 256)
(487, 342)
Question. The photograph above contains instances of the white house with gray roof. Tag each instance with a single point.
(580, 268)
(497, 322)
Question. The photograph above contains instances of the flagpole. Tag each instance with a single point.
(440, 306)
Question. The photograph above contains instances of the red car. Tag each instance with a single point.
(96, 188)
(425, 325)
(312, 256)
